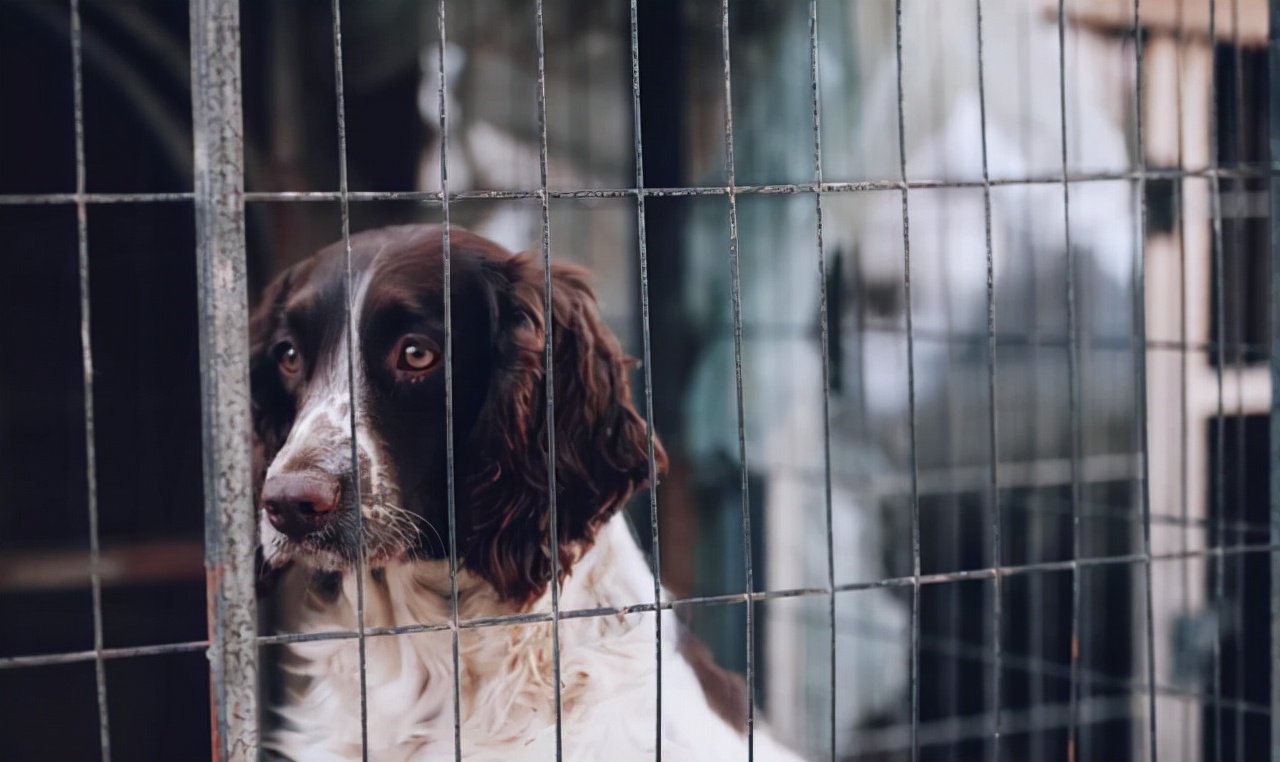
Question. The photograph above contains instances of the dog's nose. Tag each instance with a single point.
(298, 504)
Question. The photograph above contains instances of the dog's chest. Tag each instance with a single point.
(505, 678)
(504, 685)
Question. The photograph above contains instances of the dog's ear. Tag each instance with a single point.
(271, 404)
(601, 442)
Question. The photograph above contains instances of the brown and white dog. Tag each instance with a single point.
(319, 515)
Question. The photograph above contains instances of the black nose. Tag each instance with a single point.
(298, 504)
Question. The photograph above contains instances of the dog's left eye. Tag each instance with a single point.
(288, 357)
(413, 354)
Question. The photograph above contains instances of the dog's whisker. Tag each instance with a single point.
(408, 525)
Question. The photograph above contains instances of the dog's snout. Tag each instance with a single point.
(298, 504)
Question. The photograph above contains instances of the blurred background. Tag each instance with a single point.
(1007, 354)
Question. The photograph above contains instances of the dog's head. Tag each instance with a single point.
(328, 498)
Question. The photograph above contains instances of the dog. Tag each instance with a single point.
(340, 346)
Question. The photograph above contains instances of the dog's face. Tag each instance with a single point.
(327, 498)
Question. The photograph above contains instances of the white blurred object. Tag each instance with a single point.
(483, 156)
(872, 627)
(944, 139)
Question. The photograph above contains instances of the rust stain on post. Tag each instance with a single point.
(230, 521)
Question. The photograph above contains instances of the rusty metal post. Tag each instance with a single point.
(224, 363)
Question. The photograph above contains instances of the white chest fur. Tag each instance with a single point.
(506, 684)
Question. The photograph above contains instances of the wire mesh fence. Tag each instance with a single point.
(956, 318)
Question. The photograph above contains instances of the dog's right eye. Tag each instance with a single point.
(412, 356)
(288, 357)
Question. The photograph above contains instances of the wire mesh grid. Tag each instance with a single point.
(219, 199)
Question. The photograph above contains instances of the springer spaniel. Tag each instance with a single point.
(319, 516)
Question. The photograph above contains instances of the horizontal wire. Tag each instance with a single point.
(769, 189)
(33, 199)
(73, 657)
(1032, 665)
(953, 730)
(1029, 338)
(938, 645)
(1130, 559)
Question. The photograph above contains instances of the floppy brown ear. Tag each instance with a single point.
(601, 442)
(271, 405)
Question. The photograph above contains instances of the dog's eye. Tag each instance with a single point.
(288, 357)
(413, 354)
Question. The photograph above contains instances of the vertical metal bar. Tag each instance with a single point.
(450, 461)
(992, 454)
(86, 365)
(230, 519)
(1273, 144)
(1073, 384)
(911, 395)
(735, 284)
(1218, 502)
(648, 376)
(1238, 357)
(352, 337)
(824, 338)
(549, 362)
(1040, 624)
(1140, 371)
(1184, 422)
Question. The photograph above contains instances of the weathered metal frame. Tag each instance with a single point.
(230, 518)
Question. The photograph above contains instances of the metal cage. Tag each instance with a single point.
(973, 436)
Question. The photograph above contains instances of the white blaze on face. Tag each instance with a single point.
(320, 438)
